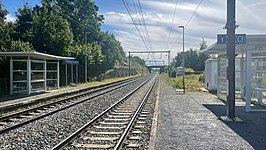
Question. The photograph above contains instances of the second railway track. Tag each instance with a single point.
(17, 119)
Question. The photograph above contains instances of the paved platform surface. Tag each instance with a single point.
(190, 122)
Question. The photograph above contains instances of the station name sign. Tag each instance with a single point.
(72, 62)
(223, 39)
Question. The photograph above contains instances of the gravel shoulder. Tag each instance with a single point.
(186, 122)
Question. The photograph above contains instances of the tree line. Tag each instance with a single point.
(63, 27)
(192, 58)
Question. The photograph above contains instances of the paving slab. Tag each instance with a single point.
(185, 123)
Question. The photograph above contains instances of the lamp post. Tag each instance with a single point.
(183, 59)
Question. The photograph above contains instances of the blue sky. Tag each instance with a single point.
(208, 21)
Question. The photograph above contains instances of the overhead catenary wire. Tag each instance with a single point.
(129, 12)
(171, 28)
(140, 30)
(145, 31)
(191, 17)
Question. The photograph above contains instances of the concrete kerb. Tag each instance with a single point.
(155, 121)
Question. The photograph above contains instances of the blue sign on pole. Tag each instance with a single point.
(223, 39)
(72, 62)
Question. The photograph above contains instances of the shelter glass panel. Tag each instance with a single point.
(37, 86)
(51, 84)
(20, 76)
(19, 87)
(19, 65)
(37, 65)
(222, 78)
(37, 76)
(51, 66)
(258, 80)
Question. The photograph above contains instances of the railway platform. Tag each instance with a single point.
(191, 121)
(9, 102)
(18, 100)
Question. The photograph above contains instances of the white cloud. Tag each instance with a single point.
(208, 21)
(10, 18)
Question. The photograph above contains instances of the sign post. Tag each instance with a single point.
(230, 51)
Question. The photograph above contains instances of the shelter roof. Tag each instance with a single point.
(34, 54)
(252, 42)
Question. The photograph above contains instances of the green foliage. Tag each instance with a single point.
(51, 32)
(112, 50)
(24, 24)
(192, 58)
(189, 70)
(6, 29)
(83, 16)
(192, 82)
(20, 46)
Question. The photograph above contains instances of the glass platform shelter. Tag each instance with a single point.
(250, 67)
(32, 72)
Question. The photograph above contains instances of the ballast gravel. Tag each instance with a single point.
(49, 131)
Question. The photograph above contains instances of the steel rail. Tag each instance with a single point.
(102, 87)
(55, 111)
(80, 130)
(65, 94)
(133, 119)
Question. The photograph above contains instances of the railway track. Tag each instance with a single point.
(119, 126)
(18, 119)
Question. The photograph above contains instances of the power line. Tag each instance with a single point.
(129, 12)
(188, 21)
(169, 35)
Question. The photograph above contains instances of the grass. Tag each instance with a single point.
(105, 81)
(192, 82)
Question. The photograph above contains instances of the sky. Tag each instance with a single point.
(161, 31)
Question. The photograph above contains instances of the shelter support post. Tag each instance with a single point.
(66, 73)
(77, 74)
(58, 79)
(11, 75)
(86, 68)
(248, 90)
(72, 74)
(28, 76)
(129, 63)
(45, 75)
(230, 26)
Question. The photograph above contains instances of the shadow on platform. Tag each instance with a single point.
(253, 130)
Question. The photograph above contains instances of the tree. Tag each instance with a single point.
(112, 49)
(203, 44)
(20, 46)
(193, 59)
(83, 16)
(51, 32)
(6, 29)
(24, 24)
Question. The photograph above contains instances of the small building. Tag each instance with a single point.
(32, 72)
(211, 74)
(250, 72)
